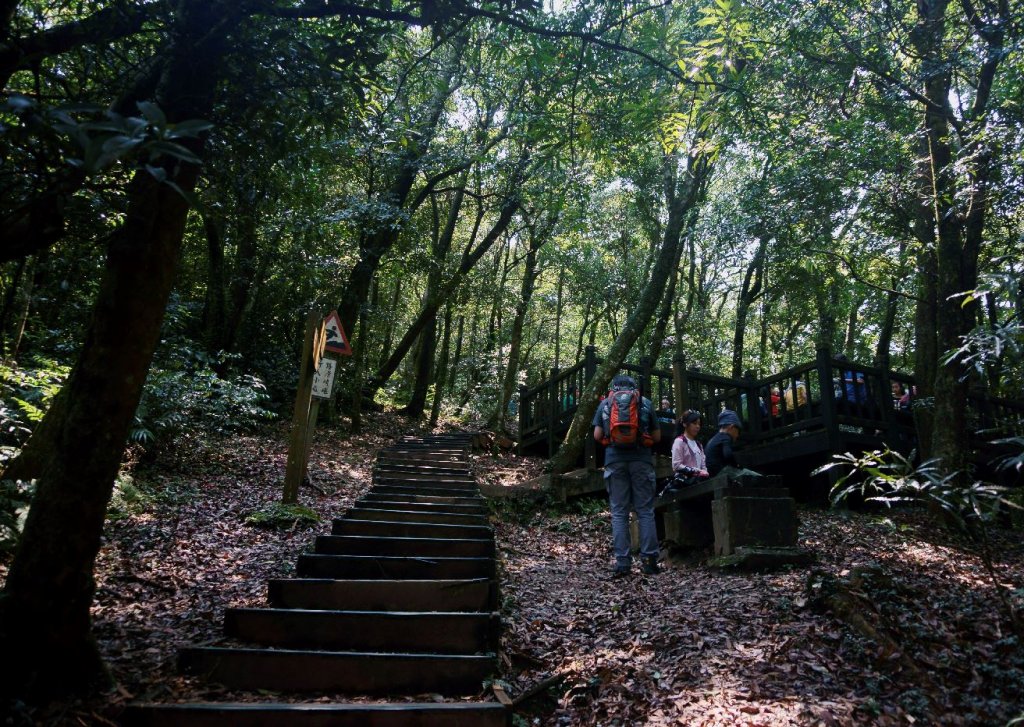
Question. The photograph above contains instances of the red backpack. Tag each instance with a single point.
(622, 419)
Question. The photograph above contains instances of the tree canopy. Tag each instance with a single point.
(481, 189)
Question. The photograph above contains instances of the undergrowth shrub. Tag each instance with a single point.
(186, 392)
(15, 497)
(128, 498)
(25, 394)
(889, 478)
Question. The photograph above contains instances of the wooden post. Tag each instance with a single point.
(828, 400)
(523, 422)
(884, 402)
(589, 364)
(553, 405)
(679, 383)
(312, 348)
(645, 378)
(754, 406)
(589, 445)
(314, 411)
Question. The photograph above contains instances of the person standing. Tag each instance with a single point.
(629, 472)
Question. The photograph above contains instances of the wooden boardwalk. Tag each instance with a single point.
(794, 420)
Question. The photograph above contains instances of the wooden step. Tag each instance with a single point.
(436, 480)
(407, 455)
(427, 489)
(472, 594)
(427, 449)
(246, 714)
(398, 529)
(312, 565)
(409, 505)
(378, 631)
(473, 500)
(412, 547)
(345, 672)
(421, 468)
(417, 516)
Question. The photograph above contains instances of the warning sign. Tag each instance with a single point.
(336, 339)
(323, 380)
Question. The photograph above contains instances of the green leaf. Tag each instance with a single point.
(159, 173)
(153, 113)
(158, 148)
(191, 128)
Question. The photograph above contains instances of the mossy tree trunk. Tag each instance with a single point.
(44, 608)
(682, 192)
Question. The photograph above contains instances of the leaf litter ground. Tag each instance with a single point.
(690, 646)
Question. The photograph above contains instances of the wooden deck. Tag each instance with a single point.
(794, 420)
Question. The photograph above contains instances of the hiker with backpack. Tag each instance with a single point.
(625, 423)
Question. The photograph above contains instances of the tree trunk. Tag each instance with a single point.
(457, 358)
(892, 304)
(852, 319)
(441, 381)
(681, 195)
(950, 441)
(508, 385)
(424, 365)
(429, 310)
(378, 244)
(748, 294)
(214, 306)
(24, 309)
(665, 310)
(44, 608)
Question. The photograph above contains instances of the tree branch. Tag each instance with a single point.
(103, 26)
(859, 278)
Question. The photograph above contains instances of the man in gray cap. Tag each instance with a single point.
(718, 451)
(629, 474)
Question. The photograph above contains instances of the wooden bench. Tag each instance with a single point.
(750, 512)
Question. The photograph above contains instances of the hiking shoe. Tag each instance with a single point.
(651, 567)
(621, 571)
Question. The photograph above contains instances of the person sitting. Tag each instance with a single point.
(719, 453)
(666, 407)
(720, 457)
(796, 395)
(770, 395)
(688, 460)
(908, 395)
(853, 382)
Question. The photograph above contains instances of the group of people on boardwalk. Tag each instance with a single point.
(629, 467)
(629, 471)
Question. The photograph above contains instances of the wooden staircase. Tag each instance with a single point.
(399, 600)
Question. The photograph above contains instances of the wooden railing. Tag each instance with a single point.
(546, 410)
(826, 395)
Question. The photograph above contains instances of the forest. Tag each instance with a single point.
(482, 189)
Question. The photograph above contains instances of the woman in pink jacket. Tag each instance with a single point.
(688, 461)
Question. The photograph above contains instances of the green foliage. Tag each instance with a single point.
(25, 394)
(186, 393)
(129, 498)
(889, 478)
(280, 516)
(15, 498)
(994, 350)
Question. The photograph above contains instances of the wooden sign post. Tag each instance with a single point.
(298, 442)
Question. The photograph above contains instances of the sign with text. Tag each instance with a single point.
(323, 379)
(336, 340)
